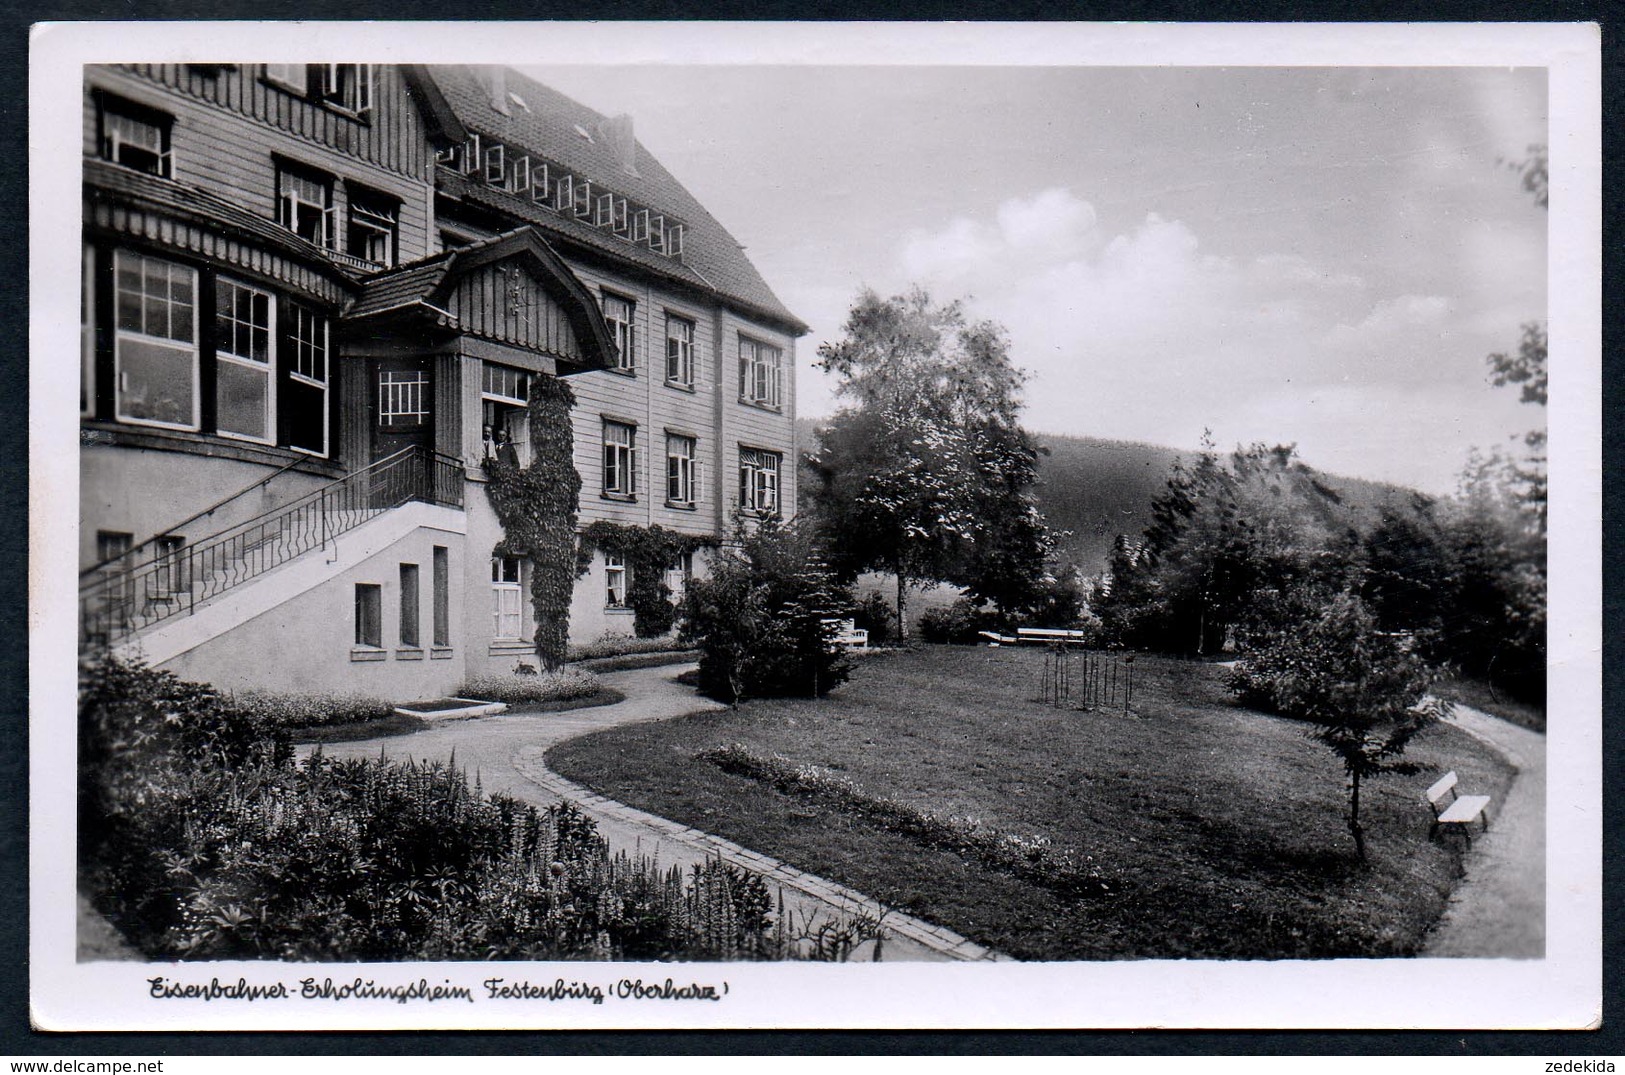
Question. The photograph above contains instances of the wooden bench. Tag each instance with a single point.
(1462, 810)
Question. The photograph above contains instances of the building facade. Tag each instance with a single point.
(316, 298)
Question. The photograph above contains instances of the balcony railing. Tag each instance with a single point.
(154, 583)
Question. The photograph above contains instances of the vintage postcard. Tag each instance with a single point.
(749, 525)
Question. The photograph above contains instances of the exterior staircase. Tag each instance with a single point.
(153, 584)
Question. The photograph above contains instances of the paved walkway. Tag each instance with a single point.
(1499, 908)
(506, 752)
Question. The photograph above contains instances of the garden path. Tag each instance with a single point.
(506, 753)
(1499, 908)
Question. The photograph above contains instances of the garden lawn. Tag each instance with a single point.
(1220, 831)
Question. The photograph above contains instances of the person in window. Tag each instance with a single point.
(500, 446)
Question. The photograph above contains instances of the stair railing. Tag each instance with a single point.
(123, 598)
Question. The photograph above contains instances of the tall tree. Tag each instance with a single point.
(925, 471)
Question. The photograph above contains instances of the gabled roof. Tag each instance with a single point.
(547, 126)
(424, 286)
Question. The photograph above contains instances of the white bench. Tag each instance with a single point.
(1048, 634)
(848, 633)
(1462, 810)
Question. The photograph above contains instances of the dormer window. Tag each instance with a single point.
(134, 137)
(304, 204)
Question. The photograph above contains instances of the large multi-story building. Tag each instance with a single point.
(316, 297)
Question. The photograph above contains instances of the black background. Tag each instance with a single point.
(18, 1038)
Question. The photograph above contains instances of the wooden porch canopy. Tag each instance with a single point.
(511, 289)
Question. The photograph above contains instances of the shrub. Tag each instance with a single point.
(205, 841)
(288, 710)
(622, 645)
(567, 684)
(960, 623)
(765, 619)
(875, 615)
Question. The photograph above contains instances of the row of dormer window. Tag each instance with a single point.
(547, 185)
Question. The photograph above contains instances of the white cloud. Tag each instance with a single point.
(1145, 335)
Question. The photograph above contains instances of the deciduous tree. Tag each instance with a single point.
(925, 473)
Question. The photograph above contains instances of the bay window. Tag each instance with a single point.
(305, 404)
(155, 353)
(244, 358)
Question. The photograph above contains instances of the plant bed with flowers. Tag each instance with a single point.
(1193, 828)
(202, 838)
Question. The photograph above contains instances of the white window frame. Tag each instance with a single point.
(518, 181)
(303, 346)
(472, 156)
(395, 396)
(674, 241)
(115, 115)
(617, 580)
(541, 187)
(189, 348)
(507, 599)
(87, 333)
(289, 76)
(621, 329)
(759, 373)
(357, 97)
(680, 348)
(657, 233)
(368, 212)
(290, 199)
(682, 465)
(495, 164)
(759, 475)
(640, 225)
(564, 193)
(620, 458)
(267, 369)
(584, 199)
(505, 390)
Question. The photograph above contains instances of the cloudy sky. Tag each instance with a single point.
(1321, 256)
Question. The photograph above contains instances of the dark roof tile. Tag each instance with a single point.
(547, 127)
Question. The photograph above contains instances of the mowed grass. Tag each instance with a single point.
(1222, 829)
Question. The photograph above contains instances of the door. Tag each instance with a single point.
(403, 417)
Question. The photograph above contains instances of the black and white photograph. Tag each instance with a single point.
(719, 525)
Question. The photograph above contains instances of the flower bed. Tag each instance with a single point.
(565, 685)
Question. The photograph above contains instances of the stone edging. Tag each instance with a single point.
(937, 938)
